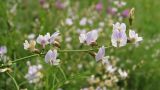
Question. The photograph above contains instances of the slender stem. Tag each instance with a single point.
(20, 59)
(13, 80)
(62, 72)
(34, 55)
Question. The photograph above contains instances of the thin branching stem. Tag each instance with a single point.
(34, 55)
(13, 80)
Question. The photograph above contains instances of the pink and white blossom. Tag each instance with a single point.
(51, 57)
(119, 37)
(133, 36)
(43, 40)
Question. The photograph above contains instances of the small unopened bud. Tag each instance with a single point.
(131, 16)
(57, 44)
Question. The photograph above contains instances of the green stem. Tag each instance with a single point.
(20, 59)
(34, 55)
(64, 75)
(13, 80)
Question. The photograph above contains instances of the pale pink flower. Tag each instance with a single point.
(119, 37)
(43, 40)
(51, 57)
(133, 36)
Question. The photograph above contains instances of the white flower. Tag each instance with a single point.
(29, 45)
(43, 40)
(119, 37)
(31, 36)
(110, 68)
(26, 45)
(83, 21)
(123, 74)
(119, 26)
(51, 57)
(3, 50)
(89, 37)
(34, 75)
(69, 21)
(82, 38)
(133, 36)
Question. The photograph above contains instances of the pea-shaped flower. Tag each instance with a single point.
(34, 74)
(54, 37)
(119, 37)
(133, 37)
(89, 37)
(51, 57)
(29, 45)
(43, 40)
(101, 53)
(3, 50)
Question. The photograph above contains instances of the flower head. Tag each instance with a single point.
(119, 37)
(133, 37)
(123, 74)
(89, 37)
(34, 75)
(43, 40)
(69, 21)
(83, 21)
(125, 13)
(99, 6)
(29, 45)
(101, 53)
(3, 50)
(110, 68)
(54, 37)
(51, 57)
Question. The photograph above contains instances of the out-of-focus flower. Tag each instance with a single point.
(133, 37)
(69, 21)
(82, 38)
(111, 10)
(125, 13)
(101, 53)
(31, 36)
(119, 37)
(120, 3)
(59, 4)
(89, 37)
(83, 21)
(123, 74)
(99, 6)
(34, 75)
(43, 40)
(44, 4)
(3, 50)
(51, 57)
(29, 45)
(110, 68)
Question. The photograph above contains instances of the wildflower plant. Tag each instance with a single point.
(51, 48)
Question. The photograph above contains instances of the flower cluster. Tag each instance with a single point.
(111, 76)
(3, 57)
(34, 74)
(119, 37)
(51, 55)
